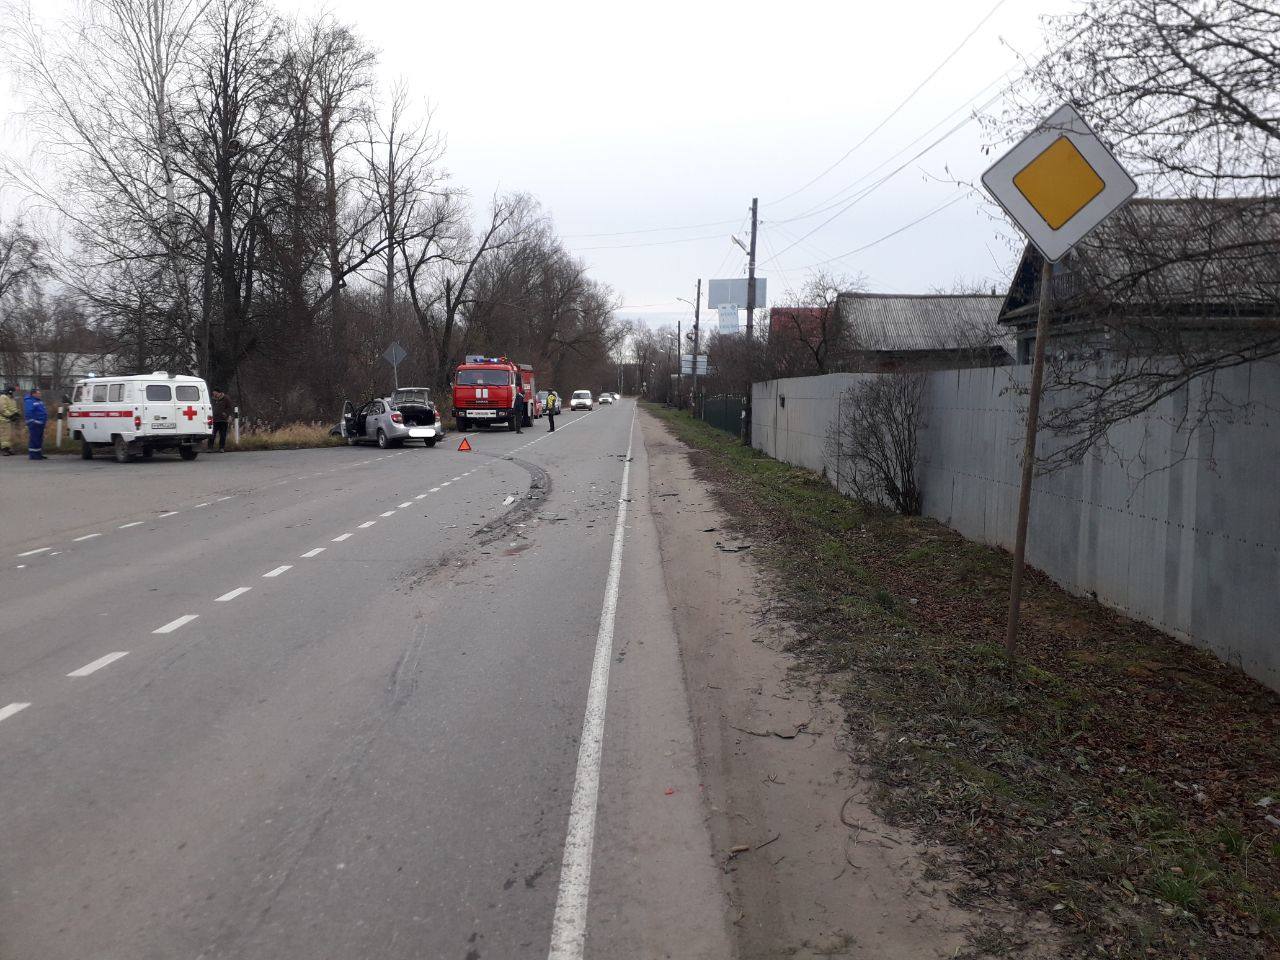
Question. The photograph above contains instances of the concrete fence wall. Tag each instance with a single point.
(1190, 544)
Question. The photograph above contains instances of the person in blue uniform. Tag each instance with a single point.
(37, 417)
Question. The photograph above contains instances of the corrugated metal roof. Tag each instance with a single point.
(1202, 250)
(885, 322)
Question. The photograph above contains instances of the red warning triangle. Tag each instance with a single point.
(464, 445)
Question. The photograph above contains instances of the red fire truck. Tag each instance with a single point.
(484, 392)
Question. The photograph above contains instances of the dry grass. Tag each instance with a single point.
(291, 436)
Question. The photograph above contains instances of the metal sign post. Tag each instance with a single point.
(395, 355)
(1057, 184)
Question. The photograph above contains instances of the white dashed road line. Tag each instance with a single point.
(11, 709)
(313, 553)
(199, 505)
(285, 568)
(389, 513)
(232, 594)
(171, 513)
(432, 490)
(367, 524)
(32, 553)
(407, 503)
(341, 537)
(126, 526)
(224, 499)
(98, 664)
(173, 625)
(87, 536)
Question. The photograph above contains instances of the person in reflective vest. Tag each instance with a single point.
(37, 417)
(553, 407)
(10, 415)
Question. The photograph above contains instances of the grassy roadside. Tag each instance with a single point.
(1117, 780)
(291, 436)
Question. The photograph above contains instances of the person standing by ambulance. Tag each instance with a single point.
(221, 415)
(517, 408)
(9, 417)
(37, 417)
(553, 406)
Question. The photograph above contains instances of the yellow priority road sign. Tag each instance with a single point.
(1059, 183)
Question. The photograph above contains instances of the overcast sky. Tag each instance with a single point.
(648, 117)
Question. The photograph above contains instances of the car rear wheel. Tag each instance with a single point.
(430, 442)
(188, 452)
(86, 450)
(120, 448)
(382, 439)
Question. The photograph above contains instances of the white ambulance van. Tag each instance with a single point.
(140, 414)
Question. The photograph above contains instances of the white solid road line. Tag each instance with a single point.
(98, 664)
(366, 525)
(126, 526)
(32, 553)
(232, 594)
(173, 625)
(569, 926)
(11, 709)
(313, 553)
(341, 537)
(87, 536)
(389, 513)
(285, 568)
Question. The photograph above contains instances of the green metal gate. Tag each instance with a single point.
(723, 412)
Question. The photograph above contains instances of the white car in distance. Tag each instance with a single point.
(581, 400)
(606, 398)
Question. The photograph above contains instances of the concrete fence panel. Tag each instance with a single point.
(1181, 531)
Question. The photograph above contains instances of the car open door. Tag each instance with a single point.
(348, 421)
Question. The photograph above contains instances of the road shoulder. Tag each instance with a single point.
(809, 868)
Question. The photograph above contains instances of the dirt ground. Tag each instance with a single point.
(810, 869)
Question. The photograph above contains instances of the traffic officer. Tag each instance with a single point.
(37, 417)
(9, 417)
(553, 405)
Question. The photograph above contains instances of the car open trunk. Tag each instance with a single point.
(417, 414)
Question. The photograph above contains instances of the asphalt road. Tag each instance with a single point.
(330, 703)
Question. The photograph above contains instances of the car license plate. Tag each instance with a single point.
(164, 426)
(482, 413)
(421, 432)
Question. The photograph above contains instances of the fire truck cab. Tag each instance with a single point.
(484, 390)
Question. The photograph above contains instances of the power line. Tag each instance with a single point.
(627, 233)
(888, 236)
(896, 110)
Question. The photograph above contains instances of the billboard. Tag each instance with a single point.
(686, 364)
(721, 293)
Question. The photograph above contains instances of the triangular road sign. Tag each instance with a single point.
(464, 445)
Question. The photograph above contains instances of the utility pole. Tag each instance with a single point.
(697, 302)
(679, 369)
(751, 309)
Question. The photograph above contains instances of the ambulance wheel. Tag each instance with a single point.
(120, 448)
(382, 439)
(188, 452)
(86, 450)
(431, 442)
(147, 453)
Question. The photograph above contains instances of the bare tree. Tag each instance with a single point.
(872, 444)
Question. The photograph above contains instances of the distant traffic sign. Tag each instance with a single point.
(395, 354)
(1058, 183)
